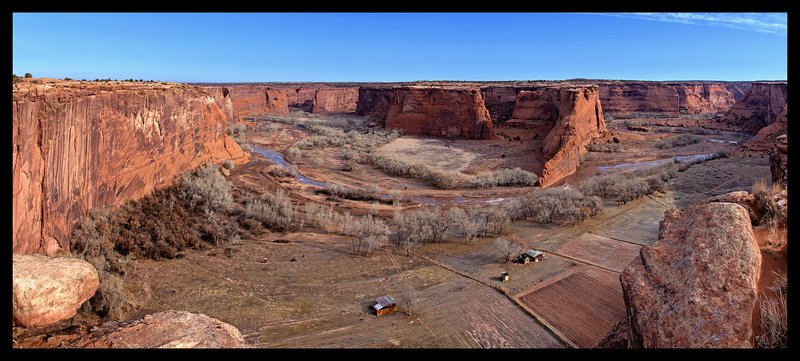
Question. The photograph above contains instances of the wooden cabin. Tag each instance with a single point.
(384, 305)
(531, 256)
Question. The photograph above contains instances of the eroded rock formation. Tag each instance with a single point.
(439, 112)
(169, 329)
(574, 116)
(777, 160)
(81, 145)
(761, 107)
(500, 101)
(696, 286)
(46, 290)
(334, 100)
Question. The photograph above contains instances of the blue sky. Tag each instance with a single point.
(209, 47)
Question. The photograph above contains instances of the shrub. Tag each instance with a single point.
(604, 147)
(399, 168)
(369, 231)
(228, 164)
(281, 172)
(774, 322)
(349, 165)
(318, 214)
(505, 177)
(206, 186)
(678, 140)
(276, 213)
(293, 154)
(238, 131)
(28, 75)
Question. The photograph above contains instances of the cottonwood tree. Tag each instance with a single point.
(507, 248)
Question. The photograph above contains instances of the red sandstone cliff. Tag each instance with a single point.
(624, 99)
(251, 100)
(374, 101)
(438, 112)
(500, 101)
(335, 100)
(761, 106)
(79, 145)
(576, 116)
(222, 97)
(301, 97)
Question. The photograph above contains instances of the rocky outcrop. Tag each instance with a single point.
(169, 329)
(438, 112)
(761, 107)
(696, 286)
(81, 145)
(249, 100)
(47, 290)
(777, 160)
(574, 116)
(335, 100)
(671, 99)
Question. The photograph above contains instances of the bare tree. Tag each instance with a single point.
(508, 248)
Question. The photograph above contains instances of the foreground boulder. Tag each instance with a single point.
(169, 329)
(47, 290)
(696, 286)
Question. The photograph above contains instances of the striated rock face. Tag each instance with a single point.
(47, 290)
(624, 99)
(761, 106)
(576, 117)
(374, 101)
(258, 99)
(439, 112)
(222, 97)
(300, 97)
(335, 100)
(77, 146)
(703, 98)
(738, 89)
(696, 286)
(777, 160)
(169, 329)
(500, 101)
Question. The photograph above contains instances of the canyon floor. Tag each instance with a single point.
(307, 289)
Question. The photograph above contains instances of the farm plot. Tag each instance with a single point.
(638, 225)
(579, 307)
(600, 251)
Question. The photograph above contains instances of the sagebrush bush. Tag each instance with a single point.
(228, 164)
(604, 147)
(274, 212)
(397, 167)
(505, 177)
(206, 186)
(678, 140)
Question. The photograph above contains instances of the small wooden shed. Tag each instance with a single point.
(384, 305)
(505, 276)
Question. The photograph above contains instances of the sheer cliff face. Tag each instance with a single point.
(500, 101)
(761, 107)
(625, 99)
(77, 146)
(249, 100)
(334, 100)
(577, 117)
(438, 112)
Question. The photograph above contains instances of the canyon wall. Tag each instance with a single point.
(82, 145)
(671, 99)
(334, 100)
(696, 286)
(374, 101)
(500, 101)
(300, 97)
(576, 115)
(761, 107)
(249, 100)
(438, 112)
